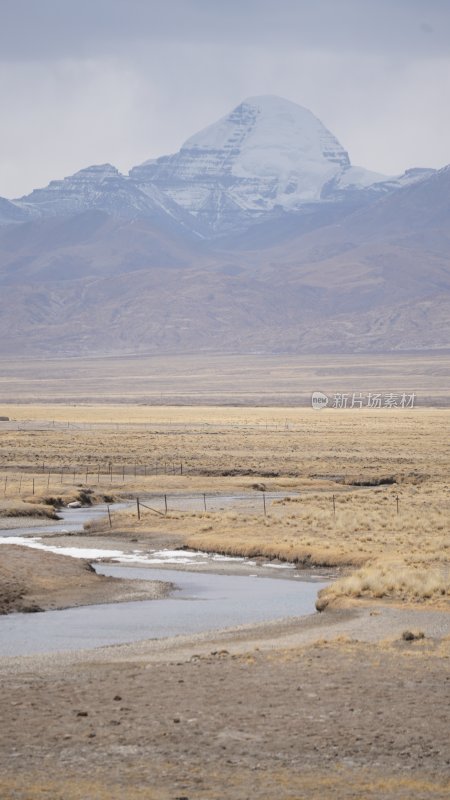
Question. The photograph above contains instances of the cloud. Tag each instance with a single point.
(126, 80)
(50, 29)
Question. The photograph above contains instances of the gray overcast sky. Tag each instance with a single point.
(89, 81)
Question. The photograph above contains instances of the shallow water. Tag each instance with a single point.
(71, 520)
(202, 602)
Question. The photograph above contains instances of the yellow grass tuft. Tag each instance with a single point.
(388, 581)
(24, 509)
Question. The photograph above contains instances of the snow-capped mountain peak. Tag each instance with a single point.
(271, 134)
(267, 158)
(267, 152)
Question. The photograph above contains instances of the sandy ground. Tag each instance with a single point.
(10, 523)
(33, 580)
(334, 706)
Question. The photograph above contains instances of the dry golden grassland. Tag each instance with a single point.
(387, 471)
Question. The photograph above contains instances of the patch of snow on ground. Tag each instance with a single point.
(137, 557)
(74, 552)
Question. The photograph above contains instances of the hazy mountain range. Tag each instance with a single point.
(258, 235)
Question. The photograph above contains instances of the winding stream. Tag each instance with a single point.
(201, 602)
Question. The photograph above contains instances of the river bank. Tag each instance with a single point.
(337, 704)
(47, 566)
(33, 580)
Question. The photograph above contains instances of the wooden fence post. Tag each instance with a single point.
(138, 508)
(109, 517)
(165, 502)
(264, 503)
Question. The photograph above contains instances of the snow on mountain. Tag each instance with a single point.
(266, 159)
(360, 178)
(268, 156)
(102, 187)
(267, 152)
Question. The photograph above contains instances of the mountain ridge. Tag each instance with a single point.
(268, 157)
(102, 262)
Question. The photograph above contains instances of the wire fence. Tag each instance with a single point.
(24, 485)
(96, 474)
(151, 427)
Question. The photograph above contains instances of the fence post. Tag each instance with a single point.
(264, 503)
(109, 517)
(334, 506)
(165, 502)
(204, 501)
(138, 508)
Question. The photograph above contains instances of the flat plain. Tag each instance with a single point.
(214, 379)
